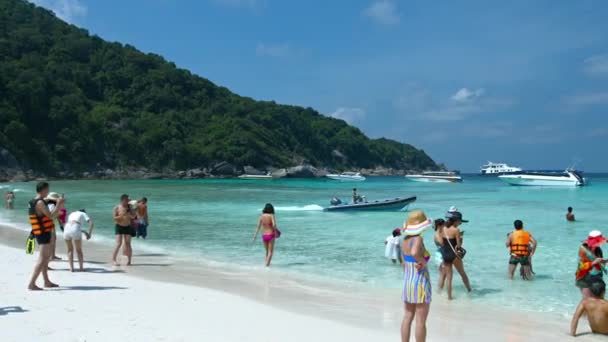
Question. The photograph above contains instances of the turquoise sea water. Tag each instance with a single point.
(214, 220)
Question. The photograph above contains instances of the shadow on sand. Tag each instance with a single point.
(98, 270)
(90, 288)
(484, 292)
(158, 265)
(11, 309)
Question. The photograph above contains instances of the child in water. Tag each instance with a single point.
(391, 251)
(570, 215)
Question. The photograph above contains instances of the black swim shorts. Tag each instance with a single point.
(44, 238)
(588, 280)
(123, 230)
(524, 260)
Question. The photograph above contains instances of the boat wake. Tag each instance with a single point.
(310, 207)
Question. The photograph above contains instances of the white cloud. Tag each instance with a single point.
(384, 12)
(350, 115)
(68, 10)
(596, 65)
(273, 50)
(466, 95)
(417, 103)
(590, 99)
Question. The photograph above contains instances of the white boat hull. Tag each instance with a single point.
(346, 178)
(533, 180)
(433, 179)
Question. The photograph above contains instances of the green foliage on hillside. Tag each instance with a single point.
(72, 101)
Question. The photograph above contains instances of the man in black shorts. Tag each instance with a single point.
(41, 220)
(123, 215)
(522, 246)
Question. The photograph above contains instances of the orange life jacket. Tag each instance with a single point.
(520, 243)
(40, 224)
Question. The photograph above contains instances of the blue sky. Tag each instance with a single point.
(524, 82)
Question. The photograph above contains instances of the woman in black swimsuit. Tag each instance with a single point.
(452, 242)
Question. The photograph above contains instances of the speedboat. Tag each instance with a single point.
(347, 177)
(256, 177)
(497, 169)
(436, 177)
(569, 177)
(398, 203)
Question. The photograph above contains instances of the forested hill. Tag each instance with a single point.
(72, 101)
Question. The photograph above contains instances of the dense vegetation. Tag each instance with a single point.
(72, 101)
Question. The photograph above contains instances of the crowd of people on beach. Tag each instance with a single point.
(448, 239)
(47, 210)
(405, 245)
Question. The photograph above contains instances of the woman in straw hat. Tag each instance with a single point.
(417, 282)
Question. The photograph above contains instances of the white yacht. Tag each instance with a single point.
(569, 178)
(347, 177)
(436, 177)
(496, 169)
(267, 176)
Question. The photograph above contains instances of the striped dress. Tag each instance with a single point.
(417, 282)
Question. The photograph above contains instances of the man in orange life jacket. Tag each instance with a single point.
(41, 220)
(518, 243)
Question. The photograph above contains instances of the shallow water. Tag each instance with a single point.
(214, 220)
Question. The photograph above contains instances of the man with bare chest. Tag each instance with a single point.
(123, 215)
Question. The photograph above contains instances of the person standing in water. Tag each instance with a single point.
(570, 215)
(438, 238)
(270, 231)
(595, 308)
(522, 245)
(452, 252)
(122, 217)
(391, 249)
(142, 218)
(41, 220)
(73, 232)
(10, 200)
(417, 282)
(591, 262)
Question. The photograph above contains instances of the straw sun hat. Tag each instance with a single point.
(417, 223)
(53, 196)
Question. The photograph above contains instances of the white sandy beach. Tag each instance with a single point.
(109, 303)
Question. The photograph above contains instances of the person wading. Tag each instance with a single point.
(518, 243)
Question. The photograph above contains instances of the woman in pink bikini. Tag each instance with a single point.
(270, 232)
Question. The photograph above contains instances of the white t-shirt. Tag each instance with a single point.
(75, 222)
(391, 250)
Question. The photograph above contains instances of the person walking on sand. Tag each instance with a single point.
(570, 215)
(142, 218)
(391, 249)
(270, 231)
(10, 200)
(591, 262)
(452, 252)
(595, 308)
(417, 282)
(522, 246)
(73, 236)
(122, 217)
(41, 220)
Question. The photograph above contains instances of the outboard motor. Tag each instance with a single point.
(335, 201)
